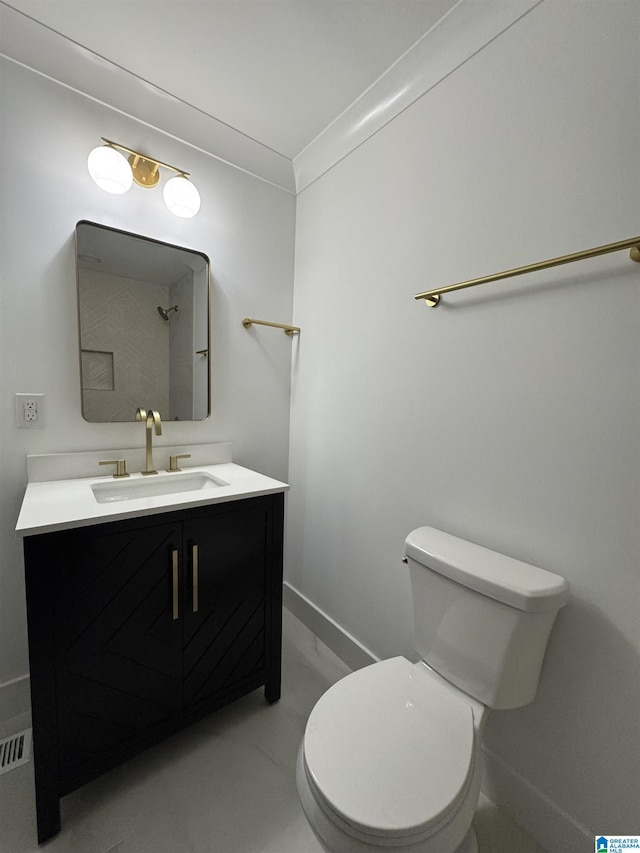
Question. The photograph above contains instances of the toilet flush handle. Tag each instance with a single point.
(405, 559)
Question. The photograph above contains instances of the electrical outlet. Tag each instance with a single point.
(30, 411)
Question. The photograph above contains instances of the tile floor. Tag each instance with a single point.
(226, 785)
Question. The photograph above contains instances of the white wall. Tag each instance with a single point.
(245, 226)
(509, 415)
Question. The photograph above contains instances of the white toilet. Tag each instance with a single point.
(390, 758)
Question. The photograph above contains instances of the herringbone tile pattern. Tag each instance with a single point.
(119, 316)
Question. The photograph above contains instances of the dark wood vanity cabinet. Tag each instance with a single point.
(138, 627)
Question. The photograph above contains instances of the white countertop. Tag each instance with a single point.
(64, 504)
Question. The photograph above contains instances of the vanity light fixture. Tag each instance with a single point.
(115, 173)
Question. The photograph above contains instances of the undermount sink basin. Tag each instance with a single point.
(154, 486)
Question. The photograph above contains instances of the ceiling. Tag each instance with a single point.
(278, 71)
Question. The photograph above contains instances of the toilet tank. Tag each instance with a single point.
(481, 619)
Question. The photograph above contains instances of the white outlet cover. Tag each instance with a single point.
(30, 403)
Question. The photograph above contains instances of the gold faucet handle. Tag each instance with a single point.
(141, 414)
(173, 461)
(121, 466)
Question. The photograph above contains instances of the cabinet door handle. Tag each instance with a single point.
(174, 568)
(194, 564)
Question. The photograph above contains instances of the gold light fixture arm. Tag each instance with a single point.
(142, 162)
(432, 297)
(288, 330)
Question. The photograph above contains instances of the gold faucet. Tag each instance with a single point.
(151, 418)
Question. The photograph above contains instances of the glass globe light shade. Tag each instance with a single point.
(181, 197)
(110, 169)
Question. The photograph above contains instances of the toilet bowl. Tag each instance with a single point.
(390, 758)
(389, 761)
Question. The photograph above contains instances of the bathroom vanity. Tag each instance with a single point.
(161, 611)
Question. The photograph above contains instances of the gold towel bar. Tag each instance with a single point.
(432, 297)
(288, 330)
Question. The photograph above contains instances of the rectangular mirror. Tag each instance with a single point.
(143, 313)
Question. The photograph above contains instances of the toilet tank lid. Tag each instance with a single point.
(503, 578)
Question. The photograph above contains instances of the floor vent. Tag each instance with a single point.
(15, 750)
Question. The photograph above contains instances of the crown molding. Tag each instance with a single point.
(459, 35)
(464, 31)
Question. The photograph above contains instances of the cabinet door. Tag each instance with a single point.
(117, 645)
(228, 557)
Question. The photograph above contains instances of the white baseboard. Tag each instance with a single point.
(15, 697)
(553, 829)
(341, 643)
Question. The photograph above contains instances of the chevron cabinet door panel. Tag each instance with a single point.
(225, 636)
(118, 651)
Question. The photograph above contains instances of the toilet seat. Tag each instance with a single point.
(389, 753)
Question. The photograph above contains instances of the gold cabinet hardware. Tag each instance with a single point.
(121, 466)
(432, 297)
(194, 567)
(173, 461)
(174, 570)
(288, 330)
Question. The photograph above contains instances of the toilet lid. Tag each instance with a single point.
(390, 749)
